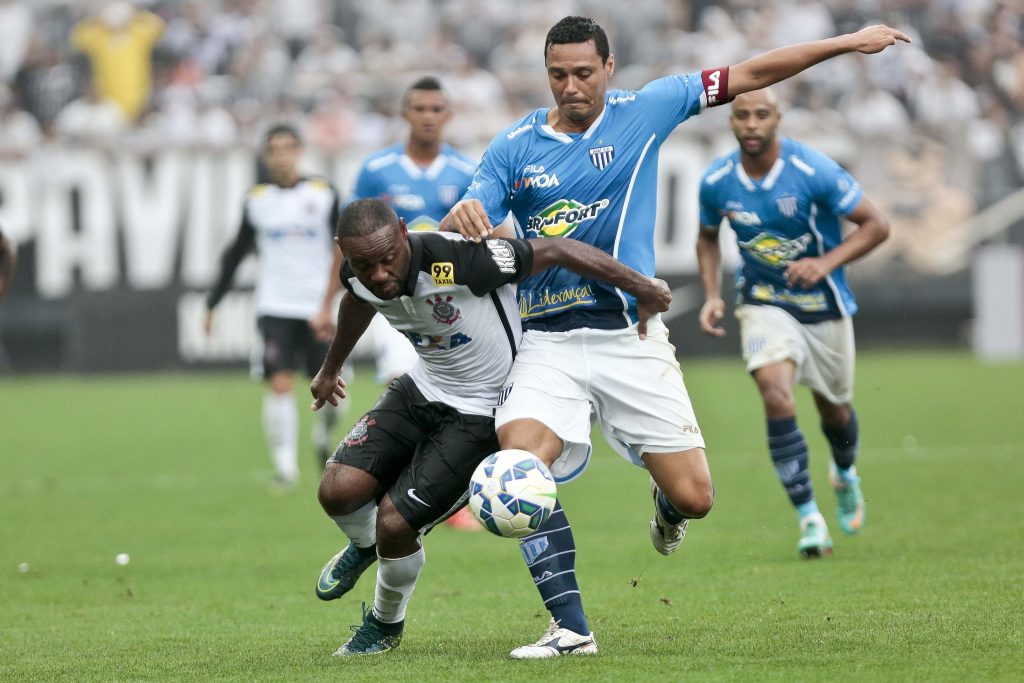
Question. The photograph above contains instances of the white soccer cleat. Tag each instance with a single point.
(557, 642)
(665, 536)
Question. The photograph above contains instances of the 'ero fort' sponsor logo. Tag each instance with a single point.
(563, 217)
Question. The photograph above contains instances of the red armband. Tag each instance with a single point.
(716, 85)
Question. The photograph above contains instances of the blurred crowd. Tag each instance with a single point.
(153, 73)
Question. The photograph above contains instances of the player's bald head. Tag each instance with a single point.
(764, 96)
(364, 217)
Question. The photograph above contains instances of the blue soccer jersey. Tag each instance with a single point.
(794, 211)
(422, 196)
(599, 187)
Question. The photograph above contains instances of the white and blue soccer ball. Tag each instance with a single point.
(512, 493)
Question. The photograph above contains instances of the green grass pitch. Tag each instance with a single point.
(173, 471)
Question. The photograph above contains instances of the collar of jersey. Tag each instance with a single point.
(769, 180)
(549, 132)
(416, 171)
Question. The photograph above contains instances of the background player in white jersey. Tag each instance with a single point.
(786, 203)
(587, 169)
(415, 450)
(420, 179)
(289, 222)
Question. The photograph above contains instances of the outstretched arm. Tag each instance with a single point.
(872, 229)
(785, 62)
(354, 317)
(652, 295)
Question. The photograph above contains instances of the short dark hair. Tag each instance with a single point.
(282, 129)
(364, 217)
(578, 30)
(425, 83)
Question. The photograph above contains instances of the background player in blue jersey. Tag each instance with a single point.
(786, 203)
(587, 169)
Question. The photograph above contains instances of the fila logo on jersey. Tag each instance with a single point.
(443, 273)
(787, 206)
(775, 251)
(563, 217)
(502, 255)
(602, 156)
(443, 310)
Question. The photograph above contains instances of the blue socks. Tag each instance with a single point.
(550, 554)
(789, 454)
(667, 510)
(844, 441)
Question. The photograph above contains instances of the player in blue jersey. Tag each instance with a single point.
(786, 203)
(587, 169)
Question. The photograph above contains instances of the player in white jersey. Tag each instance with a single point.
(786, 203)
(420, 178)
(289, 222)
(415, 450)
(587, 169)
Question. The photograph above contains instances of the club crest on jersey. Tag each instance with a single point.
(443, 273)
(787, 206)
(563, 217)
(360, 431)
(443, 310)
(602, 156)
(774, 250)
(448, 194)
(502, 255)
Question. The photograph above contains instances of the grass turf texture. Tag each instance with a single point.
(173, 471)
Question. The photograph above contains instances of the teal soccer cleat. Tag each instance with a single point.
(342, 571)
(814, 538)
(850, 500)
(372, 637)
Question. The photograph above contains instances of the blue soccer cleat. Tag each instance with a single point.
(372, 637)
(342, 571)
(849, 499)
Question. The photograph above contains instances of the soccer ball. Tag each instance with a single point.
(512, 493)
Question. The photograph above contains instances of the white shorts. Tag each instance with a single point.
(823, 352)
(392, 351)
(633, 388)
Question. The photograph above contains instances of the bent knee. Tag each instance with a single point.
(693, 501)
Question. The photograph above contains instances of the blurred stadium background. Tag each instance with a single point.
(121, 179)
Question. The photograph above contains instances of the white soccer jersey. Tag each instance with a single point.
(291, 229)
(459, 311)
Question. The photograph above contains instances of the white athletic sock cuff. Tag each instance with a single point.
(360, 526)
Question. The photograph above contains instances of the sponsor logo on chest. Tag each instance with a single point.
(563, 217)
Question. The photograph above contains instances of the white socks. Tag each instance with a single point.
(360, 526)
(396, 580)
(281, 425)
